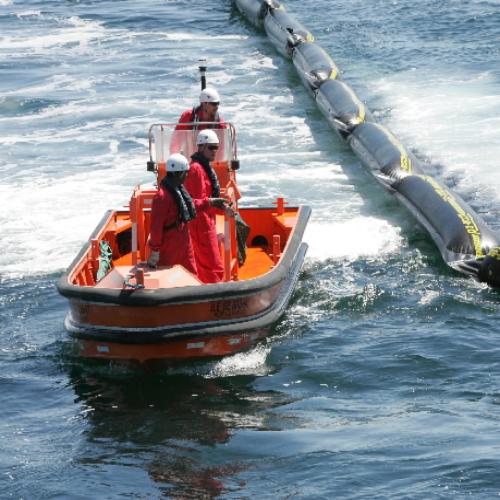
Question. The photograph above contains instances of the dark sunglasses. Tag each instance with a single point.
(214, 103)
(213, 148)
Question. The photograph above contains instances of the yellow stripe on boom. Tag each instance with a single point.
(466, 218)
(361, 106)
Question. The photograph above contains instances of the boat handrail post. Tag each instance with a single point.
(150, 163)
(230, 243)
(234, 143)
(280, 205)
(94, 254)
(227, 248)
(133, 218)
(234, 250)
(276, 248)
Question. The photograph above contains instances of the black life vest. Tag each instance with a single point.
(209, 171)
(183, 201)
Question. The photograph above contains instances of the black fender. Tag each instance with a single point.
(377, 148)
(341, 106)
(284, 31)
(489, 269)
(256, 10)
(313, 65)
(458, 231)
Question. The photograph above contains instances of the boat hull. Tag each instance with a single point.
(190, 322)
(234, 324)
(170, 351)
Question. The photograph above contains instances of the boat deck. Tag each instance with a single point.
(257, 263)
(269, 233)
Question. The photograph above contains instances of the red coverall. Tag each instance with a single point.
(189, 116)
(174, 243)
(203, 228)
(178, 142)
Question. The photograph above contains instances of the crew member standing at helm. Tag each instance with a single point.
(207, 111)
(203, 185)
(171, 211)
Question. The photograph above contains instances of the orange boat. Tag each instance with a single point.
(120, 309)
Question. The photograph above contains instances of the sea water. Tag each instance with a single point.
(380, 381)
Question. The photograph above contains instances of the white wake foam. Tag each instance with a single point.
(352, 239)
(74, 32)
(251, 362)
(451, 117)
(183, 36)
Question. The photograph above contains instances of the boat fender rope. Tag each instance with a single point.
(106, 254)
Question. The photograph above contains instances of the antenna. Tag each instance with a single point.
(203, 68)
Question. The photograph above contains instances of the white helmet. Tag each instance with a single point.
(177, 163)
(207, 137)
(209, 95)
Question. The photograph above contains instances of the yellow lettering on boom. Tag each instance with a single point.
(405, 162)
(466, 218)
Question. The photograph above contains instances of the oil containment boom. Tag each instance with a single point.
(466, 243)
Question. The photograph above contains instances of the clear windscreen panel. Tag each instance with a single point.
(167, 139)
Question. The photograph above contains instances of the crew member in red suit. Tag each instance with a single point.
(203, 185)
(171, 213)
(207, 111)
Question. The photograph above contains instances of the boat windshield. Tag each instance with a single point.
(166, 139)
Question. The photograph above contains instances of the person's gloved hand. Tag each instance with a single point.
(217, 203)
(229, 211)
(154, 258)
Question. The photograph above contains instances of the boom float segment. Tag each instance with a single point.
(466, 243)
(313, 65)
(284, 30)
(341, 107)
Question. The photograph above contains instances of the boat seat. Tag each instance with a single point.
(162, 277)
(286, 223)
